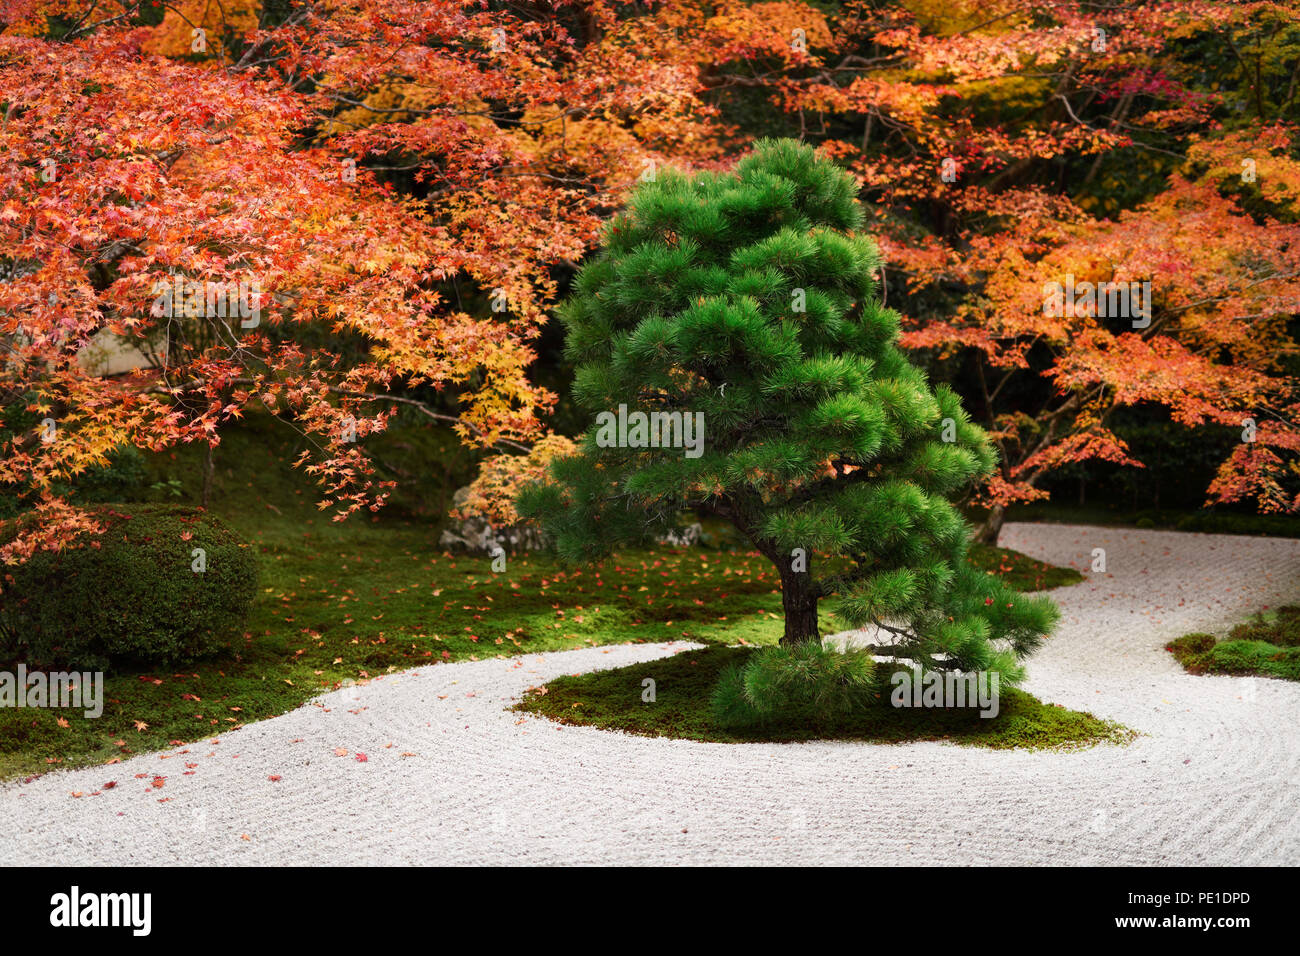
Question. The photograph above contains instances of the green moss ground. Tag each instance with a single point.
(612, 700)
(1268, 645)
(1021, 571)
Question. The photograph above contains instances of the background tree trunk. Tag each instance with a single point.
(988, 532)
(209, 467)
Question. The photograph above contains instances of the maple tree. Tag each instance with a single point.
(1006, 146)
(404, 188)
(491, 495)
(390, 183)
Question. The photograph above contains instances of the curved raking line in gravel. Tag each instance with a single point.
(450, 775)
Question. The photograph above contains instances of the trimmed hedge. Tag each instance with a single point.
(129, 597)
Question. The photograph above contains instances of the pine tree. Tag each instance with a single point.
(747, 300)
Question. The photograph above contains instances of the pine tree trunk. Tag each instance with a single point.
(988, 532)
(800, 604)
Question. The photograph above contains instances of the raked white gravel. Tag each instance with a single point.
(451, 776)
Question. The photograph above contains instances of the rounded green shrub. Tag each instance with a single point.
(131, 596)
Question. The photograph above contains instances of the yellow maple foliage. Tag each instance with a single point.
(178, 34)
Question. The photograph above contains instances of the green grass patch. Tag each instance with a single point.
(1267, 645)
(350, 602)
(376, 594)
(684, 683)
(1021, 571)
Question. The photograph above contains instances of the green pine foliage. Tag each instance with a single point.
(750, 298)
(809, 682)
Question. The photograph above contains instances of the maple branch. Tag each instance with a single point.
(1268, 278)
(430, 413)
(196, 383)
(86, 28)
(1133, 142)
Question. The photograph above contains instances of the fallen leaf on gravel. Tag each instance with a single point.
(362, 758)
(274, 778)
(340, 752)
